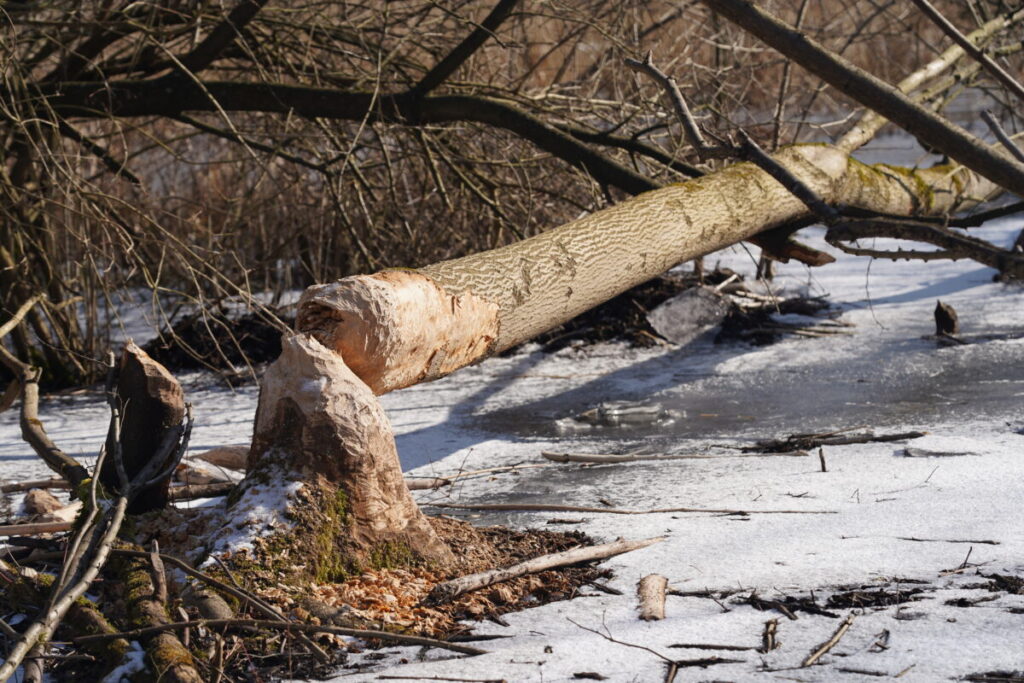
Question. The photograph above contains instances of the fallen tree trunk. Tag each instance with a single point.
(319, 423)
(397, 328)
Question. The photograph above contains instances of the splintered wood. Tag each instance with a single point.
(651, 590)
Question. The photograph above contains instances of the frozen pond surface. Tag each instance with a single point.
(875, 518)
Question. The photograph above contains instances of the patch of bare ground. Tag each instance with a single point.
(391, 599)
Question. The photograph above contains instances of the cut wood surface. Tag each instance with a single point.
(316, 418)
(651, 591)
(443, 592)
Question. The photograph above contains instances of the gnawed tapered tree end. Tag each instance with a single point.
(319, 425)
(396, 328)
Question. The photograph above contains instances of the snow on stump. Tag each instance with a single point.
(318, 424)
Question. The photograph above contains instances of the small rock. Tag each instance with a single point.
(41, 502)
(688, 314)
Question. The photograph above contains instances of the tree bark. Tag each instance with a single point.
(151, 403)
(390, 338)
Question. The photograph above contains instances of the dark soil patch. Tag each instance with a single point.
(215, 340)
(757, 327)
(871, 598)
(789, 605)
(1004, 582)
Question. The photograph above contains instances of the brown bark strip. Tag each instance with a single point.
(651, 591)
(449, 590)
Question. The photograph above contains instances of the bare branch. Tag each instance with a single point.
(690, 128)
(875, 94)
(1004, 139)
(952, 245)
(970, 48)
(221, 36)
(871, 122)
(464, 50)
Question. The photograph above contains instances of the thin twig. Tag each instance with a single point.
(1004, 139)
(613, 458)
(970, 48)
(240, 594)
(831, 642)
(690, 127)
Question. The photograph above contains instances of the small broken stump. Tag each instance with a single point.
(651, 591)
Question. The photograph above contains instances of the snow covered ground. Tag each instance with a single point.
(876, 519)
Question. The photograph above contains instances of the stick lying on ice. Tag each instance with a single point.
(449, 590)
(543, 507)
(611, 458)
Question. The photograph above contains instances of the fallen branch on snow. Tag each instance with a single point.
(449, 590)
(836, 438)
(831, 642)
(32, 529)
